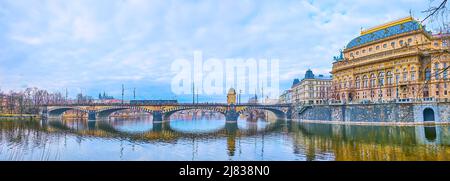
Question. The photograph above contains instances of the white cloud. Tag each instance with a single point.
(27, 40)
(85, 29)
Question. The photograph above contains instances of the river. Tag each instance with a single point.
(212, 138)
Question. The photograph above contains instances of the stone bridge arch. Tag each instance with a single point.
(167, 113)
(280, 112)
(58, 111)
(106, 112)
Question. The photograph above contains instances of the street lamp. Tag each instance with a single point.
(240, 93)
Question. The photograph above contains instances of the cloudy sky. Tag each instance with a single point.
(94, 46)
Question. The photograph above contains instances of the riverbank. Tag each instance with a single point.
(376, 113)
(19, 116)
(372, 123)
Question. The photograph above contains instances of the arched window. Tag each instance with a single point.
(365, 80)
(436, 71)
(427, 74)
(372, 80)
(381, 79)
(389, 77)
(357, 82)
(405, 75)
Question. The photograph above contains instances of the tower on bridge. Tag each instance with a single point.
(231, 96)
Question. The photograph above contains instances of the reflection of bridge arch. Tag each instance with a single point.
(228, 129)
(108, 111)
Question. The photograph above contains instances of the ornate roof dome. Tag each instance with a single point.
(400, 26)
(309, 74)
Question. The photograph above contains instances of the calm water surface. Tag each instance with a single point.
(211, 138)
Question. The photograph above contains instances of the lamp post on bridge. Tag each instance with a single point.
(240, 94)
(123, 90)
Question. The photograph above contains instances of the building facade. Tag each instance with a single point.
(311, 89)
(395, 61)
(285, 97)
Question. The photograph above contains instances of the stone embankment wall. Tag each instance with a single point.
(382, 112)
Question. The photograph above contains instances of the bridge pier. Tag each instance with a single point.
(44, 113)
(92, 115)
(231, 127)
(231, 116)
(159, 126)
(91, 124)
(157, 117)
(289, 114)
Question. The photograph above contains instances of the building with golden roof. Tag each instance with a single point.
(398, 60)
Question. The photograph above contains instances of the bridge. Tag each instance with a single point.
(162, 112)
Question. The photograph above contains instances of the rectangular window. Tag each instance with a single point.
(413, 76)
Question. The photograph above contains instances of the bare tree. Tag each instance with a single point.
(438, 13)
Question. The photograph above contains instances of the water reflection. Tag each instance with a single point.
(211, 138)
(430, 133)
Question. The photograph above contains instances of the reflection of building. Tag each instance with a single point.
(395, 60)
(231, 96)
(311, 89)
